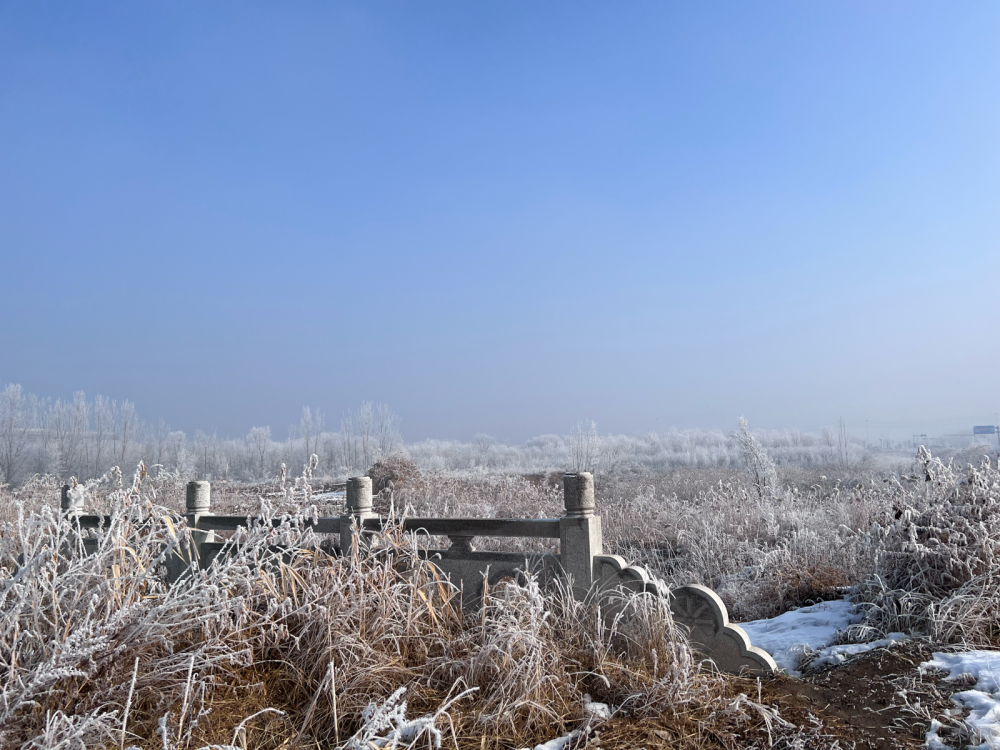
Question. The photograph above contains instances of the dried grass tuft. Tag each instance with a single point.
(277, 644)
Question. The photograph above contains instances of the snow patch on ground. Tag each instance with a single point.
(796, 633)
(838, 654)
(788, 637)
(933, 739)
(595, 712)
(559, 742)
(982, 701)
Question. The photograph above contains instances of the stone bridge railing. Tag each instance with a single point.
(580, 558)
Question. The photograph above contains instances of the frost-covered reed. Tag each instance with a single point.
(277, 644)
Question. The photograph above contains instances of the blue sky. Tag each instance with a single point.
(505, 217)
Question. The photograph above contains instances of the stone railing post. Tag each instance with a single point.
(197, 504)
(579, 531)
(359, 507)
(71, 503)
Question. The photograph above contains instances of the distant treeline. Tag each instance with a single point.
(85, 438)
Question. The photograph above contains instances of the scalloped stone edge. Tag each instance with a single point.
(713, 637)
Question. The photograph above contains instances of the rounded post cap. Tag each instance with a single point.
(199, 496)
(578, 493)
(71, 499)
(359, 495)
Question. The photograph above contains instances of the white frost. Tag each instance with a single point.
(933, 739)
(984, 666)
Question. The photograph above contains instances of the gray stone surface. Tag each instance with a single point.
(698, 609)
(580, 540)
(359, 510)
(461, 544)
(612, 572)
(704, 615)
(198, 502)
(578, 494)
(543, 528)
(580, 537)
(468, 570)
(359, 496)
(199, 497)
(72, 501)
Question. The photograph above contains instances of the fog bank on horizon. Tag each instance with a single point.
(100, 440)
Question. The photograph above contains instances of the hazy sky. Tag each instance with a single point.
(505, 217)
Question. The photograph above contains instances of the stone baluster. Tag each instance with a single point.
(71, 502)
(359, 508)
(579, 531)
(198, 503)
(71, 505)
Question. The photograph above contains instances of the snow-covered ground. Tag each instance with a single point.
(811, 630)
(793, 634)
(982, 701)
(790, 636)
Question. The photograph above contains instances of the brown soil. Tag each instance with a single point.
(869, 700)
(874, 701)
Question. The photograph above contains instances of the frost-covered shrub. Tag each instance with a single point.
(936, 557)
(759, 467)
(393, 472)
(85, 438)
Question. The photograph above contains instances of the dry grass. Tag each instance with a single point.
(270, 648)
(762, 554)
(274, 649)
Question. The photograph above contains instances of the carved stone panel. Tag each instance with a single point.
(698, 609)
(704, 615)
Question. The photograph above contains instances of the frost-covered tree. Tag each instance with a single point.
(368, 434)
(104, 418)
(14, 425)
(259, 439)
(584, 444)
(128, 421)
(77, 458)
(484, 448)
(758, 465)
(387, 430)
(160, 443)
(310, 428)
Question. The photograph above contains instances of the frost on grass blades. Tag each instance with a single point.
(267, 648)
(263, 648)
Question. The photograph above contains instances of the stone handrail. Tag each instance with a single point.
(698, 609)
